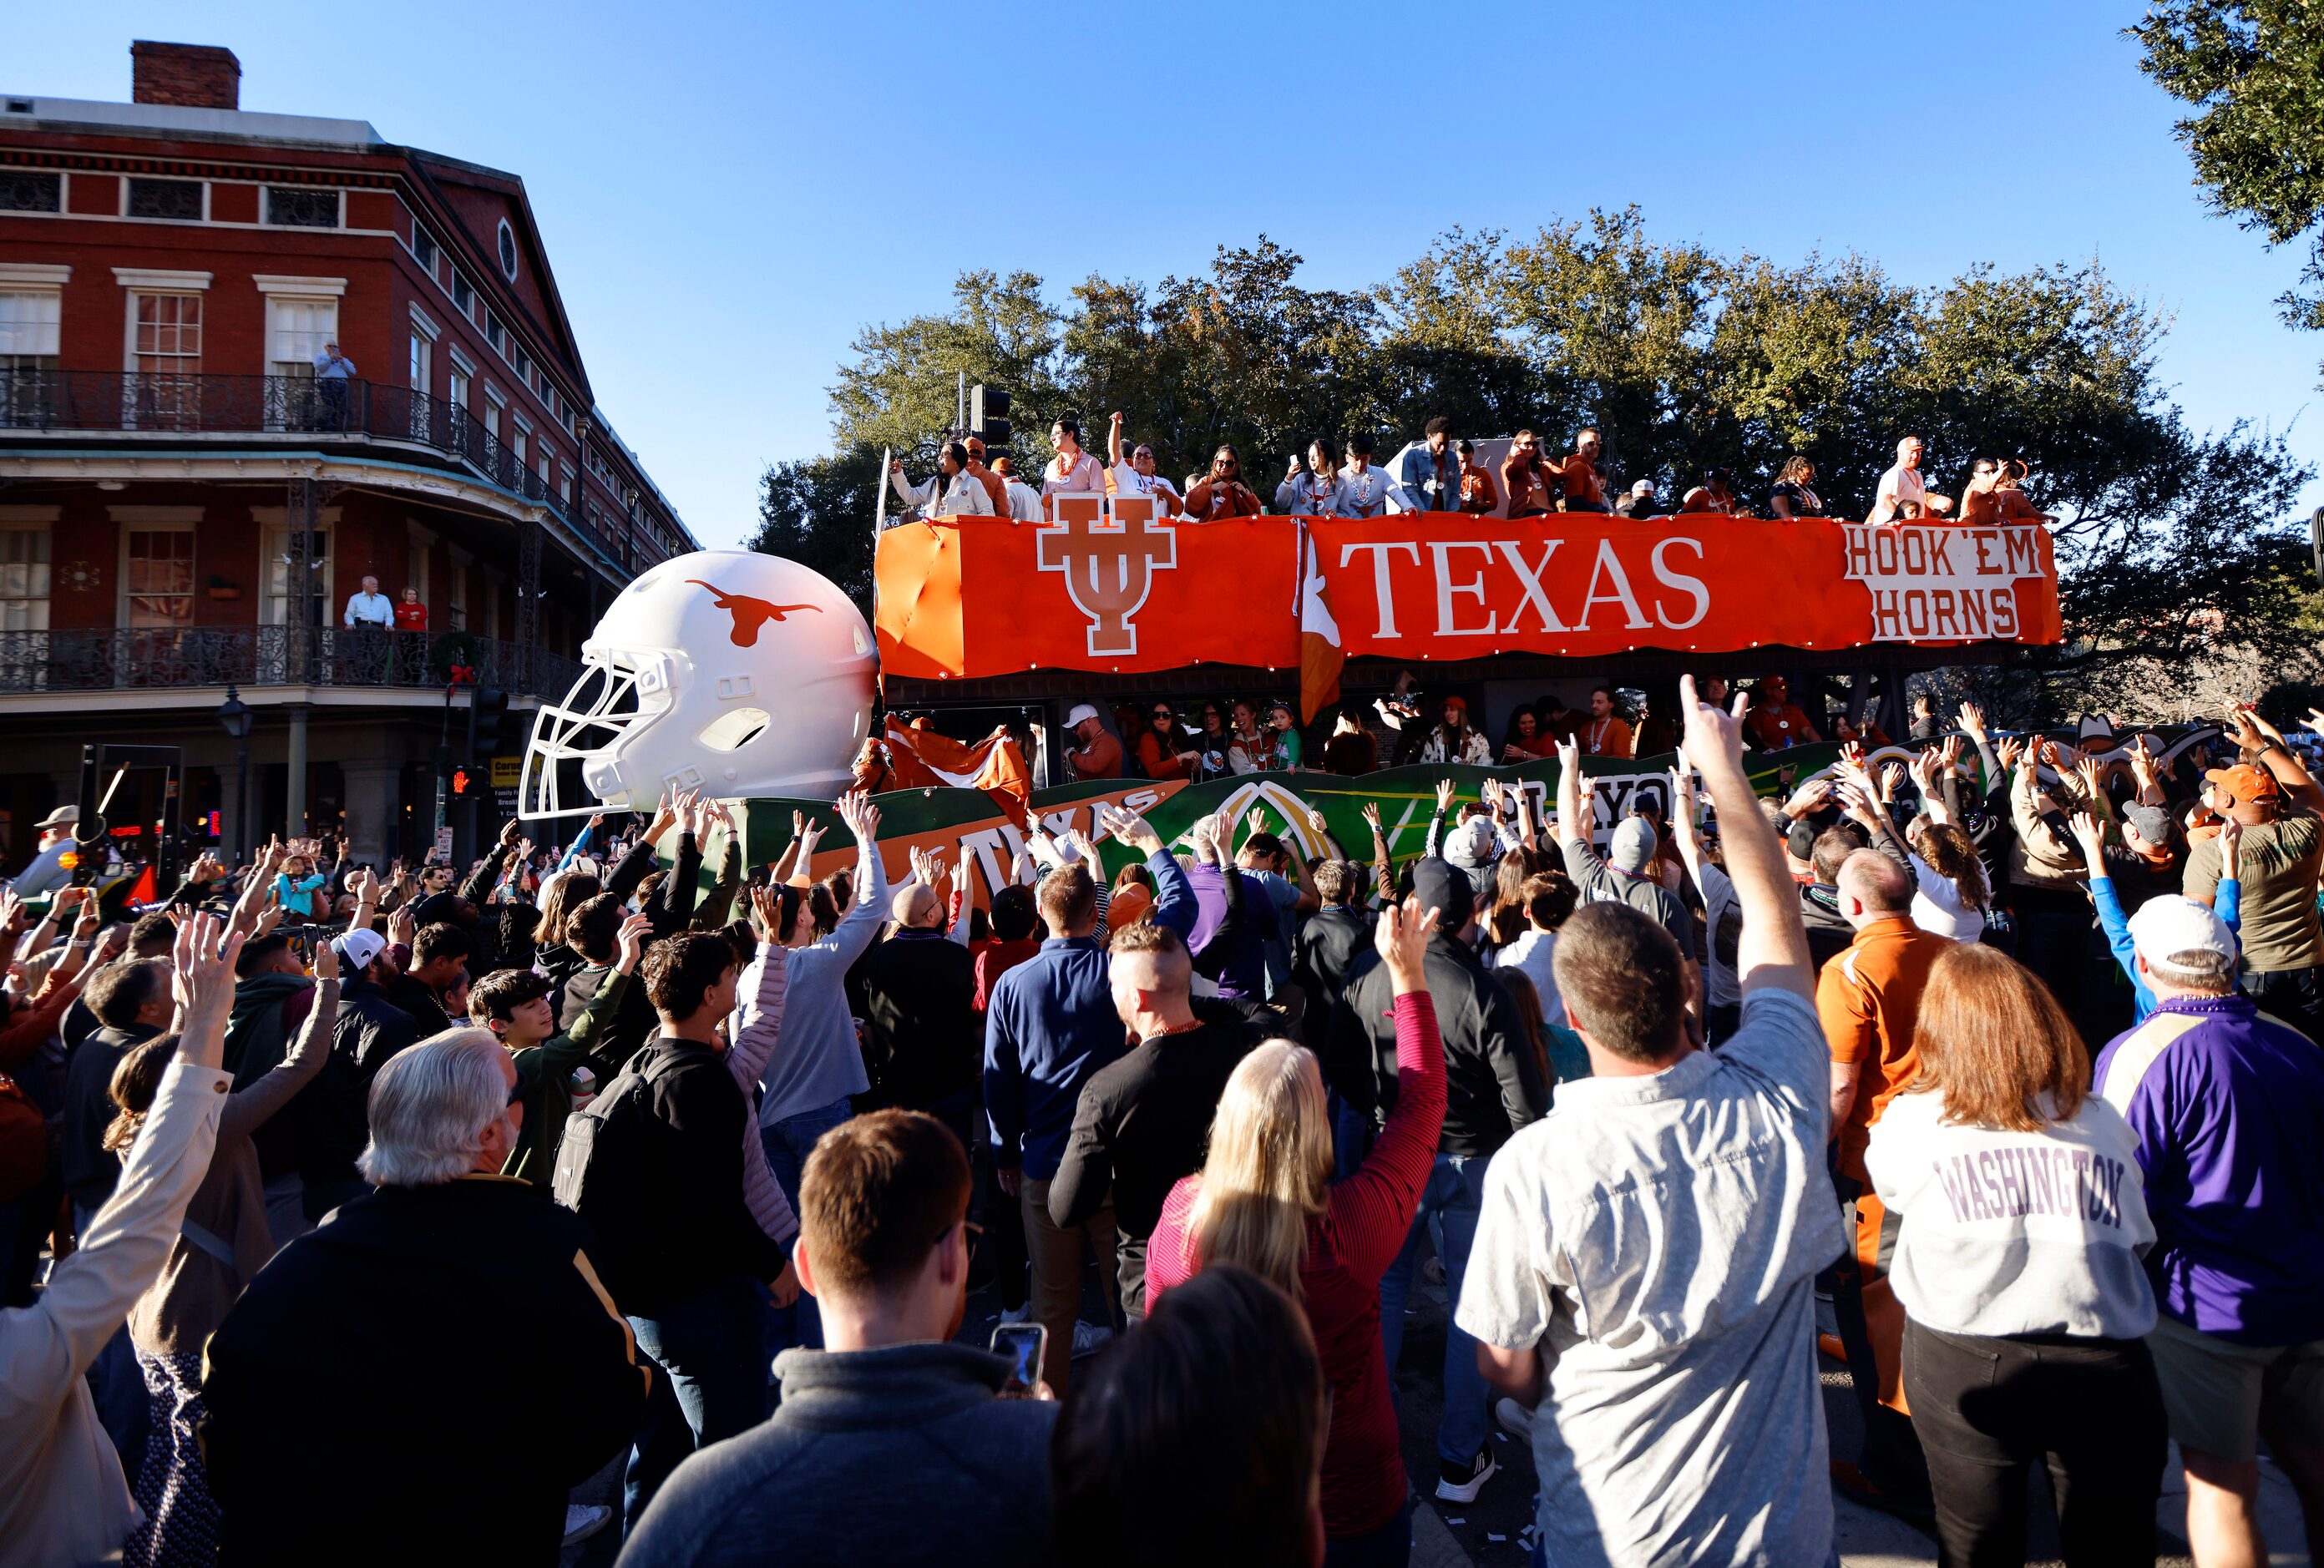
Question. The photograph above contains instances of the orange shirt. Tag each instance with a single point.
(1525, 487)
(2014, 507)
(1159, 762)
(1211, 499)
(1127, 905)
(1868, 997)
(1775, 725)
(1581, 483)
(1606, 737)
(1102, 759)
(995, 485)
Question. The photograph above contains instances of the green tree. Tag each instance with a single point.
(2174, 547)
(2254, 69)
(819, 512)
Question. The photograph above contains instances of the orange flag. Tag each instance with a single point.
(1320, 654)
(923, 759)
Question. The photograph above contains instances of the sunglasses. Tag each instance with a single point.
(1163, 714)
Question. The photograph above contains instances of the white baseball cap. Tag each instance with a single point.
(1081, 711)
(2168, 925)
(356, 949)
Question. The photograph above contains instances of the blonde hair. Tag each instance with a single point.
(1270, 1166)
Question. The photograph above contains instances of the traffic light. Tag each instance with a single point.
(464, 782)
(987, 416)
(487, 711)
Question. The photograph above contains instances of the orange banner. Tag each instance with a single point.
(966, 597)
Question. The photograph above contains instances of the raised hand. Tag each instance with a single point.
(1371, 814)
(1972, 720)
(510, 831)
(1315, 820)
(1891, 775)
(326, 964)
(2231, 843)
(2093, 777)
(1257, 820)
(862, 817)
(1807, 798)
(1402, 939)
(2008, 748)
(1444, 789)
(1127, 827)
(630, 940)
(1711, 738)
(2089, 832)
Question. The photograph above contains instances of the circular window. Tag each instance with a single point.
(508, 251)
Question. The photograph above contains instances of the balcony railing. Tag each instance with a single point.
(157, 659)
(139, 402)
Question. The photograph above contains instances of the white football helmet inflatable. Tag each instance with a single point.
(727, 671)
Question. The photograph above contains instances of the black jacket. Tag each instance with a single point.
(923, 1041)
(1331, 944)
(409, 995)
(703, 1232)
(1828, 933)
(1493, 1084)
(1142, 1122)
(91, 1170)
(447, 1345)
(368, 1030)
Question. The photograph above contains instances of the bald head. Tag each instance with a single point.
(915, 906)
(1872, 886)
(1152, 976)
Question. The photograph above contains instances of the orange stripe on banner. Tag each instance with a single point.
(997, 597)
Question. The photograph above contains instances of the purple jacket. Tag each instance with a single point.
(2229, 1106)
(1243, 973)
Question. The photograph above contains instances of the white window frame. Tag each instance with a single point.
(39, 521)
(136, 519)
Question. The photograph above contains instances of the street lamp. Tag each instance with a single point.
(234, 716)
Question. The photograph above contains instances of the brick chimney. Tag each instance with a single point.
(192, 76)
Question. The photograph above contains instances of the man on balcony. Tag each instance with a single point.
(370, 608)
(332, 371)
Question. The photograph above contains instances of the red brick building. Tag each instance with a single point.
(192, 490)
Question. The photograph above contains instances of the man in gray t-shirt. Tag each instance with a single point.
(1644, 1265)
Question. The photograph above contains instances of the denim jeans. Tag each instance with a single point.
(1449, 1206)
(711, 1383)
(788, 1143)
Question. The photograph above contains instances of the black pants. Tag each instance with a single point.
(1986, 1408)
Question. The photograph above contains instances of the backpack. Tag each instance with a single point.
(601, 1169)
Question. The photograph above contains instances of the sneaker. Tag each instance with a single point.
(1515, 1418)
(1087, 1337)
(1460, 1483)
(1017, 1314)
(583, 1520)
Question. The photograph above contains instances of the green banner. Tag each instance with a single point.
(968, 829)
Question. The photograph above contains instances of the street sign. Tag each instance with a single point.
(444, 844)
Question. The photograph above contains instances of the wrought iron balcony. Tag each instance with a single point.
(151, 659)
(304, 408)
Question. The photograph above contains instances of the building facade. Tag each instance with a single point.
(192, 490)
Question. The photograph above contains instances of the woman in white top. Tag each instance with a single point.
(1312, 491)
(1950, 893)
(2021, 1216)
(953, 492)
(1137, 477)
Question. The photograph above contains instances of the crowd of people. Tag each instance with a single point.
(1229, 737)
(1336, 477)
(356, 1218)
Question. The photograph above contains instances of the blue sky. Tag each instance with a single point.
(728, 192)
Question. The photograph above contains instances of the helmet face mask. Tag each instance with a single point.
(727, 671)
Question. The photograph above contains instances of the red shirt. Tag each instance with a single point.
(1348, 1247)
(410, 617)
(996, 957)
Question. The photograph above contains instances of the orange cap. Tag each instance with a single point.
(2244, 783)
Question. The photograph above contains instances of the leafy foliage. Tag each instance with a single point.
(2173, 547)
(2255, 70)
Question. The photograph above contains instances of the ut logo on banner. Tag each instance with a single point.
(1109, 564)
